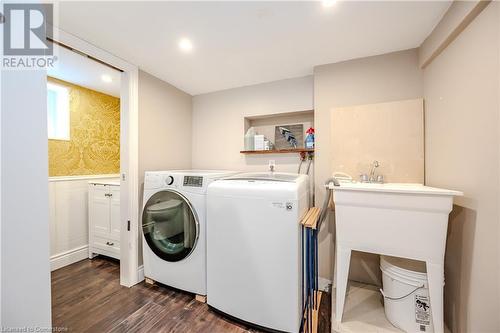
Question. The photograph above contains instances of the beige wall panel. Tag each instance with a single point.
(378, 79)
(391, 133)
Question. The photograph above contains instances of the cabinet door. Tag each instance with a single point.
(99, 210)
(115, 212)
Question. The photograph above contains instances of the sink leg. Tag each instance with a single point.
(435, 276)
(343, 261)
(334, 282)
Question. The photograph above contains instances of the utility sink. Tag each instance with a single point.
(403, 188)
(395, 219)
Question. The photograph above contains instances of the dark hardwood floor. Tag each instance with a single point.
(87, 297)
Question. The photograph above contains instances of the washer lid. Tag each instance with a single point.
(269, 176)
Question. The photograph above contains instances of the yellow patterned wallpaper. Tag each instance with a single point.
(94, 146)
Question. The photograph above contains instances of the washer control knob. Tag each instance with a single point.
(169, 180)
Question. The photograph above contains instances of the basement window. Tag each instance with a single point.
(58, 120)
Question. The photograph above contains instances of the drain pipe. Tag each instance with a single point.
(302, 159)
(328, 198)
(310, 156)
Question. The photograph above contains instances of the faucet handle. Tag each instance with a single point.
(380, 179)
(363, 178)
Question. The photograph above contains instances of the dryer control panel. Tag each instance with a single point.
(193, 181)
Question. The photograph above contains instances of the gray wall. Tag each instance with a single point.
(461, 89)
(25, 278)
(164, 129)
(218, 123)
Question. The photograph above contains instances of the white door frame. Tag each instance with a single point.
(129, 153)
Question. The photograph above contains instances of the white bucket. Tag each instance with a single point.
(406, 294)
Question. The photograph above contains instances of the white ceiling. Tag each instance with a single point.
(75, 68)
(243, 43)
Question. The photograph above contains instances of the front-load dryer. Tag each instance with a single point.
(174, 227)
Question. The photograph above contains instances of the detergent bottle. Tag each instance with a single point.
(309, 142)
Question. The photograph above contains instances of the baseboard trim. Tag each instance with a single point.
(68, 257)
(140, 273)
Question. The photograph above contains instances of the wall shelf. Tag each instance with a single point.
(281, 151)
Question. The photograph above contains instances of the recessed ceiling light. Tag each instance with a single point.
(106, 78)
(329, 3)
(185, 45)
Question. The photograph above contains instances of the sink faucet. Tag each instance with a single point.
(370, 178)
(375, 165)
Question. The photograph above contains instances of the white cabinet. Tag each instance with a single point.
(114, 211)
(104, 219)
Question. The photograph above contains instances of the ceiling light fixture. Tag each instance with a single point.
(106, 78)
(329, 3)
(185, 45)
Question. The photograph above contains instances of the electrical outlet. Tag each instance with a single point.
(272, 165)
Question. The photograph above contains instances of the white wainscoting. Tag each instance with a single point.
(68, 216)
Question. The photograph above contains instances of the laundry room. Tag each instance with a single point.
(302, 167)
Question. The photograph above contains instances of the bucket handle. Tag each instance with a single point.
(398, 298)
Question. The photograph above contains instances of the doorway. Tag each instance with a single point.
(83, 113)
(123, 207)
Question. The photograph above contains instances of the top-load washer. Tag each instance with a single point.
(174, 227)
(254, 259)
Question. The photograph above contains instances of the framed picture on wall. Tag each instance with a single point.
(289, 136)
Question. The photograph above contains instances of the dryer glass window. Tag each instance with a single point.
(169, 225)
